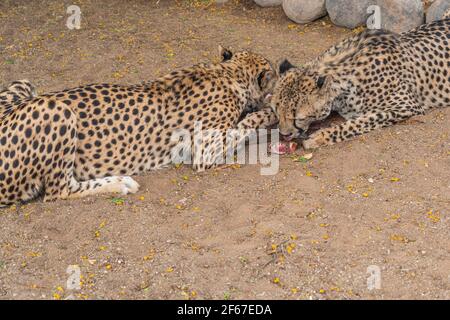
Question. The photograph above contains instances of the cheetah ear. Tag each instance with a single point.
(225, 53)
(284, 66)
(321, 81)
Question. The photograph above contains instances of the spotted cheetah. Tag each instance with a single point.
(374, 80)
(89, 140)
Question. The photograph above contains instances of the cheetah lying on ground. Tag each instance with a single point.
(83, 141)
(374, 80)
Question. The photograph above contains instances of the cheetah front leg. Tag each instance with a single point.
(354, 127)
(259, 120)
(214, 150)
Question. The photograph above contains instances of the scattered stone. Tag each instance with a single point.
(304, 11)
(269, 3)
(348, 13)
(401, 15)
(437, 10)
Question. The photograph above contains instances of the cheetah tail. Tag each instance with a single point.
(15, 92)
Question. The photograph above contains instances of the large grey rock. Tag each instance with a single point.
(348, 13)
(304, 11)
(268, 3)
(401, 15)
(437, 10)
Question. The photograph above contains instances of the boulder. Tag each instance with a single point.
(437, 10)
(268, 3)
(348, 13)
(304, 11)
(401, 15)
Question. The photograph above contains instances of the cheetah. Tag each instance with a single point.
(91, 139)
(374, 79)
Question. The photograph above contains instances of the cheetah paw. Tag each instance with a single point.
(128, 185)
(310, 144)
(314, 141)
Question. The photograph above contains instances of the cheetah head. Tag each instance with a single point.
(300, 98)
(255, 71)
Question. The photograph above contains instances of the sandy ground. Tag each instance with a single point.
(313, 231)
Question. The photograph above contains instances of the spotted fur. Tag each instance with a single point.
(89, 140)
(374, 80)
(15, 92)
(446, 14)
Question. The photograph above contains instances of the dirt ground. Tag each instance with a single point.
(315, 230)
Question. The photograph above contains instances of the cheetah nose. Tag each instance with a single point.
(287, 136)
(302, 134)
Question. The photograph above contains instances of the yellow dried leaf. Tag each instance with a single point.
(308, 156)
(434, 217)
(290, 248)
(34, 254)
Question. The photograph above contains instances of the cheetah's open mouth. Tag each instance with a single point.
(293, 136)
